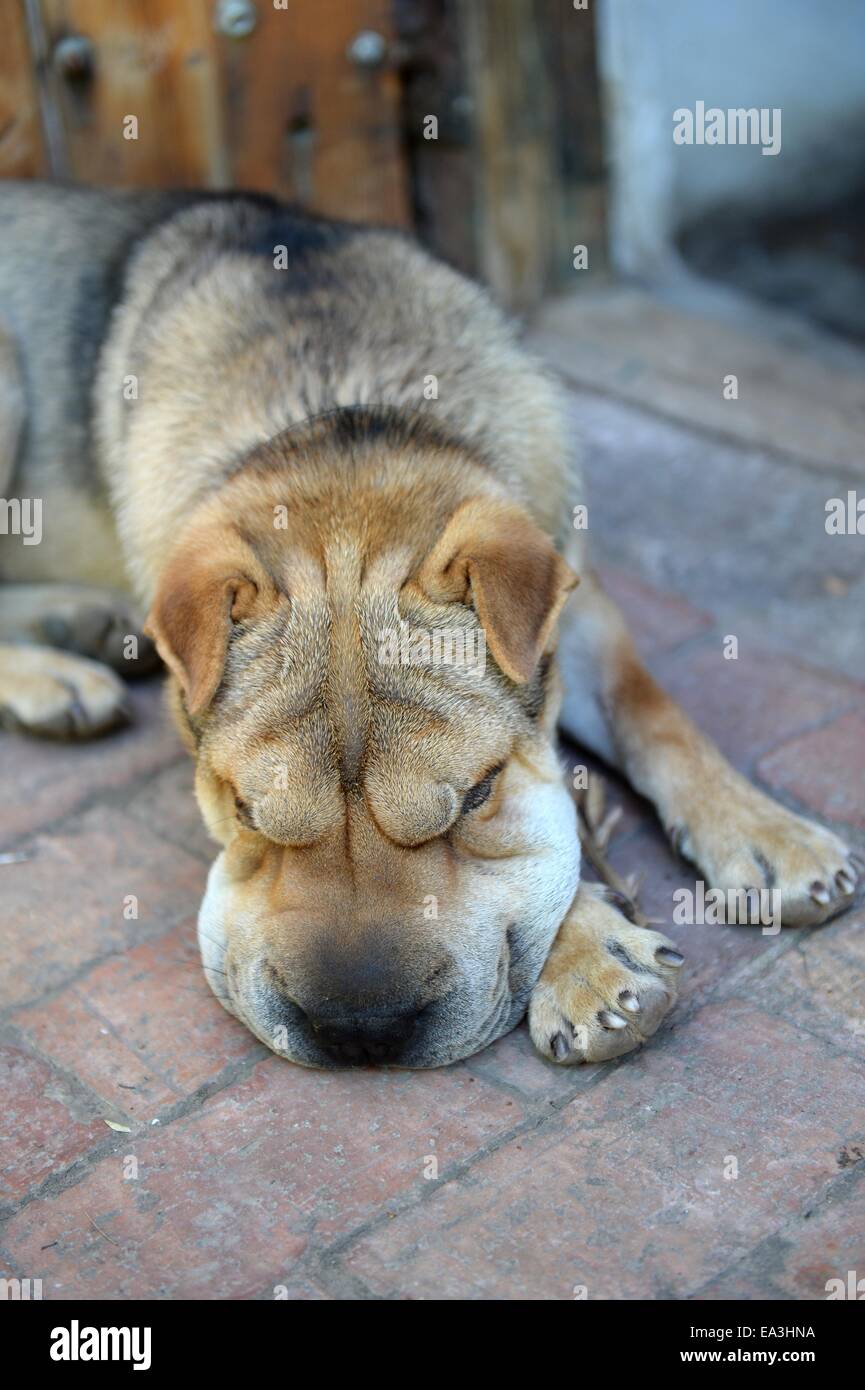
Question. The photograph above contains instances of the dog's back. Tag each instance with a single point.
(62, 254)
(234, 317)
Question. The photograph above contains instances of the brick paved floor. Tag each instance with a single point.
(237, 1173)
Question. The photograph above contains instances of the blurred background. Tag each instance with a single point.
(504, 132)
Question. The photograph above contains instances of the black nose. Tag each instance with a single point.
(361, 1040)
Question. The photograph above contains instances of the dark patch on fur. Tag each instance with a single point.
(301, 235)
(616, 949)
(533, 695)
(193, 725)
(102, 287)
(352, 429)
(259, 225)
(770, 877)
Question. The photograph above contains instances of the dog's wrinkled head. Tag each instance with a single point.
(362, 663)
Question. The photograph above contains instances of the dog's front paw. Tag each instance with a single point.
(605, 987)
(747, 841)
(100, 625)
(54, 695)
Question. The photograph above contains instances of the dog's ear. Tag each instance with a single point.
(491, 554)
(204, 589)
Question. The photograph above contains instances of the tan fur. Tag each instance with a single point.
(490, 555)
(601, 967)
(737, 836)
(312, 459)
(51, 693)
(351, 774)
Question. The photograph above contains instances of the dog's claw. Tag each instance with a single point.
(820, 893)
(611, 1020)
(845, 882)
(668, 957)
(629, 1001)
(676, 834)
(559, 1045)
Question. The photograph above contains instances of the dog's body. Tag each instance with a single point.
(297, 439)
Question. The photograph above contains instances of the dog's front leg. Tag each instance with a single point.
(605, 986)
(739, 838)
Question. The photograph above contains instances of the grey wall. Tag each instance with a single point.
(805, 56)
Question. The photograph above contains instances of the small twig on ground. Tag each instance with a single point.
(101, 1232)
(595, 830)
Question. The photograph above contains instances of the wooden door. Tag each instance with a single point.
(475, 122)
(299, 97)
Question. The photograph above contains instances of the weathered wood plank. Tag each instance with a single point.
(149, 60)
(306, 121)
(438, 129)
(569, 41)
(22, 148)
(518, 193)
(284, 108)
(514, 179)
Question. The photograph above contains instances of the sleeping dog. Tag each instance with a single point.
(323, 465)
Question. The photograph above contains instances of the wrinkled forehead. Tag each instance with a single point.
(366, 687)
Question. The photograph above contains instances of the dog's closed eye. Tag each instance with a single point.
(478, 794)
(244, 814)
